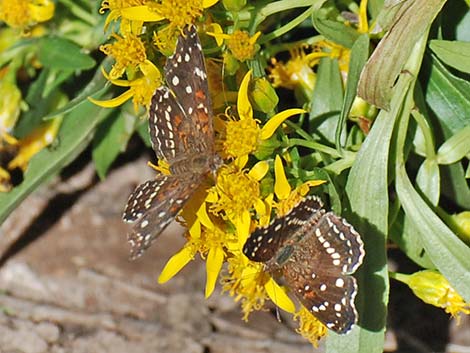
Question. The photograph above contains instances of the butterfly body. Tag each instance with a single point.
(315, 252)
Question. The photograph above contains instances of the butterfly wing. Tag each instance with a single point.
(265, 242)
(180, 115)
(186, 75)
(319, 267)
(152, 207)
(170, 128)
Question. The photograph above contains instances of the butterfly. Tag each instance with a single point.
(315, 252)
(181, 132)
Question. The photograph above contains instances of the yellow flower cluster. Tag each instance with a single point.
(247, 189)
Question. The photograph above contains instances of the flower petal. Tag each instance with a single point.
(195, 229)
(240, 162)
(217, 33)
(113, 102)
(282, 188)
(273, 123)
(176, 263)
(243, 227)
(149, 69)
(279, 296)
(215, 260)
(140, 13)
(208, 3)
(204, 217)
(245, 111)
(259, 170)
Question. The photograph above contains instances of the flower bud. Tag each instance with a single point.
(263, 95)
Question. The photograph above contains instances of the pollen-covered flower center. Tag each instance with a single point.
(179, 12)
(15, 13)
(24, 13)
(241, 45)
(127, 51)
(241, 137)
(238, 192)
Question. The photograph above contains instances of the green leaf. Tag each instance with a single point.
(385, 64)
(456, 187)
(359, 55)
(60, 53)
(453, 53)
(369, 214)
(328, 98)
(455, 148)
(448, 97)
(337, 32)
(74, 135)
(429, 181)
(96, 88)
(403, 233)
(110, 139)
(445, 249)
(17, 50)
(38, 106)
(384, 18)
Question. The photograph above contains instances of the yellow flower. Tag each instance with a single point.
(10, 99)
(246, 282)
(26, 13)
(310, 327)
(128, 51)
(236, 193)
(41, 137)
(433, 288)
(178, 12)
(206, 237)
(297, 72)
(287, 197)
(141, 89)
(116, 7)
(240, 44)
(219, 235)
(244, 136)
(363, 26)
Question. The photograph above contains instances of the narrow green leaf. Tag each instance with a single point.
(381, 71)
(452, 53)
(374, 7)
(448, 97)
(445, 249)
(455, 148)
(328, 98)
(456, 187)
(369, 214)
(96, 88)
(403, 233)
(337, 32)
(38, 106)
(429, 181)
(74, 135)
(60, 53)
(359, 55)
(110, 139)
